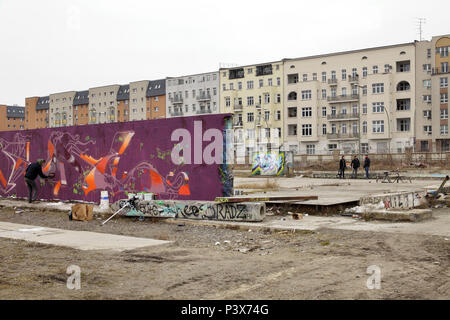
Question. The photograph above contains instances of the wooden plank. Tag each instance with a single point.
(265, 199)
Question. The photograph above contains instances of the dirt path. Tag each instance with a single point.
(328, 264)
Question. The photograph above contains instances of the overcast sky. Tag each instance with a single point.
(50, 46)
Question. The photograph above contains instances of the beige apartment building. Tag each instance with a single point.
(362, 99)
(103, 104)
(431, 96)
(137, 100)
(61, 109)
(254, 95)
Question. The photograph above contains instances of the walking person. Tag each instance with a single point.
(342, 166)
(367, 166)
(33, 170)
(355, 165)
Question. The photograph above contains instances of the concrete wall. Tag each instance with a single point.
(119, 157)
(251, 212)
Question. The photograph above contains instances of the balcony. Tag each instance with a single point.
(204, 111)
(176, 100)
(333, 82)
(343, 98)
(436, 71)
(176, 114)
(238, 107)
(238, 124)
(204, 97)
(342, 136)
(353, 79)
(343, 117)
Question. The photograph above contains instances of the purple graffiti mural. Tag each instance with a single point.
(121, 158)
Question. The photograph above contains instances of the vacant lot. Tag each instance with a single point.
(326, 264)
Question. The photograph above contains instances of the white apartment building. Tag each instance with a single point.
(192, 95)
(138, 90)
(103, 104)
(349, 101)
(61, 109)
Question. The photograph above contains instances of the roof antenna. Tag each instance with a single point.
(420, 22)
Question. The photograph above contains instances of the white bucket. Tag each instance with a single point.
(104, 200)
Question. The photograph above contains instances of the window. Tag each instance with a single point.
(427, 67)
(324, 93)
(306, 130)
(444, 67)
(428, 129)
(324, 129)
(307, 112)
(444, 82)
(314, 76)
(269, 82)
(305, 77)
(278, 98)
(249, 84)
(427, 98)
(261, 83)
(344, 92)
(378, 126)
(364, 108)
(333, 75)
(364, 72)
(403, 104)
(403, 66)
(364, 127)
(387, 68)
(293, 78)
(375, 69)
(364, 148)
(324, 77)
(377, 88)
(231, 88)
(324, 111)
(364, 90)
(444, 114)
(227, 102)
(278, 81)
(332, 147)
(427, 83)
(378, 107)
(306, 95)
(427, 114)
(250, 117)
(443, 51)
(278, 115)
(250, 133)
(403, 125)
(292, 96)
(250, 101)
(239, 85)
(310, 149)
(344, 74)
(344, 128)
(444, 98)
(333, 128)
(292, 129)
(444, 129)
(428, 53)
(266, 115)
(354, 72)
(266, 98)
(292, 112)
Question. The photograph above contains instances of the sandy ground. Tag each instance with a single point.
(321, 264)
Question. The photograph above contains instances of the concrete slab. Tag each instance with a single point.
(82, 240)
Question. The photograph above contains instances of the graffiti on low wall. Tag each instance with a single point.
(268, 163)
(121, 158)
(192, 210)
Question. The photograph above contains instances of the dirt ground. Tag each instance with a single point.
(327, 264)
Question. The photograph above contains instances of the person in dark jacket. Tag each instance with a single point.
(367, 166)
(34, 170)
(342, 166)
(355, 165)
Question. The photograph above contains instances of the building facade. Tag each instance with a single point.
(156, 99)
(61, 114)
(81, 108)
(356, 101)
(103, 104)
(431, 114)
(192, 95)
(254, 95)
(138, 102)
(123, 103)
(31, 112)
(14, 118)
(42, 112)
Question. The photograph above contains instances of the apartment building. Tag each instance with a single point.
(61, 114)
(81, 108)
(350, 101)
(123, 103)
(103, 104)
(42, 113)
(138, 102)
(156, 99)
(431, 96)
(30, 112)
(14, 118)
(254, 95)
(192, 95)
